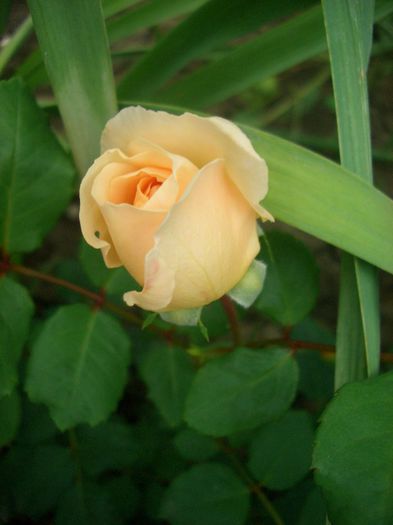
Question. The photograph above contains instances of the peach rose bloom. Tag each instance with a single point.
(174, 199)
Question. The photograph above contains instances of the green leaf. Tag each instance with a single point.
(353, 453)
(195, 446)
(268, 54)
(168, 373)
(222, 21)
(16, 310)
(210, 494)
(35, 173)
(109, 446)
(87, 504)
(280, 453)
(114, 281)
(241, 391)
(10, 415)
(74, 44)
(349, 25)
(83, 380)
(37, 477)
(292, 279)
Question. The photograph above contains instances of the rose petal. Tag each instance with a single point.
(90, 216)
(159, 285)
(206, 244)
(199, 139)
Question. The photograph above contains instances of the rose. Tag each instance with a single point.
(174, 199)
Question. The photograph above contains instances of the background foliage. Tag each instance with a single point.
(105, 422)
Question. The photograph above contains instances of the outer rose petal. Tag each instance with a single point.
(204, 246)
(90, 216)
(199, 139)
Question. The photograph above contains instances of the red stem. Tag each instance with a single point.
(230, 311)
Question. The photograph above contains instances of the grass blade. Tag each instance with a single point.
(148, 14)
(222, 21)
(349, 31)
(268, 54)
(15, 41)
(73, 41)
(323, 199)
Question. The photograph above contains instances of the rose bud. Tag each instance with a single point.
(174, 199)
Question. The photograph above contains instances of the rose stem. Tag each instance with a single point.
(99, 300)
(253, 486)
(230, 311)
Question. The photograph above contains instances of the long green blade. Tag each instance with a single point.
(72, 38)
(268, 54)
(221, 20)
(323, 199)
(349, 31)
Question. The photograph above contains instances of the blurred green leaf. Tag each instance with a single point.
(195, 446)
(210, 494)
(37, 477)
(88, 503)
(74, 44)
(169, 463)
(124, 495)
(292, 279)
(316, 376)
(11, 45)
(168, 372)
(221, 21)
(16, 310)
(112, 7)
(10, 415)
(353, 454)
(5, 8)
(314, 510)
(35, 173)
(36, 425)
(316, 372)
(109, 446)
(241, 391)
(280, 453)
(114, 281)
(83, 380)
(302, 505)
(267, 54)
(148, 14)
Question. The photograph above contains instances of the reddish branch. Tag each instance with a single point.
(230, 311)
(99, 300)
